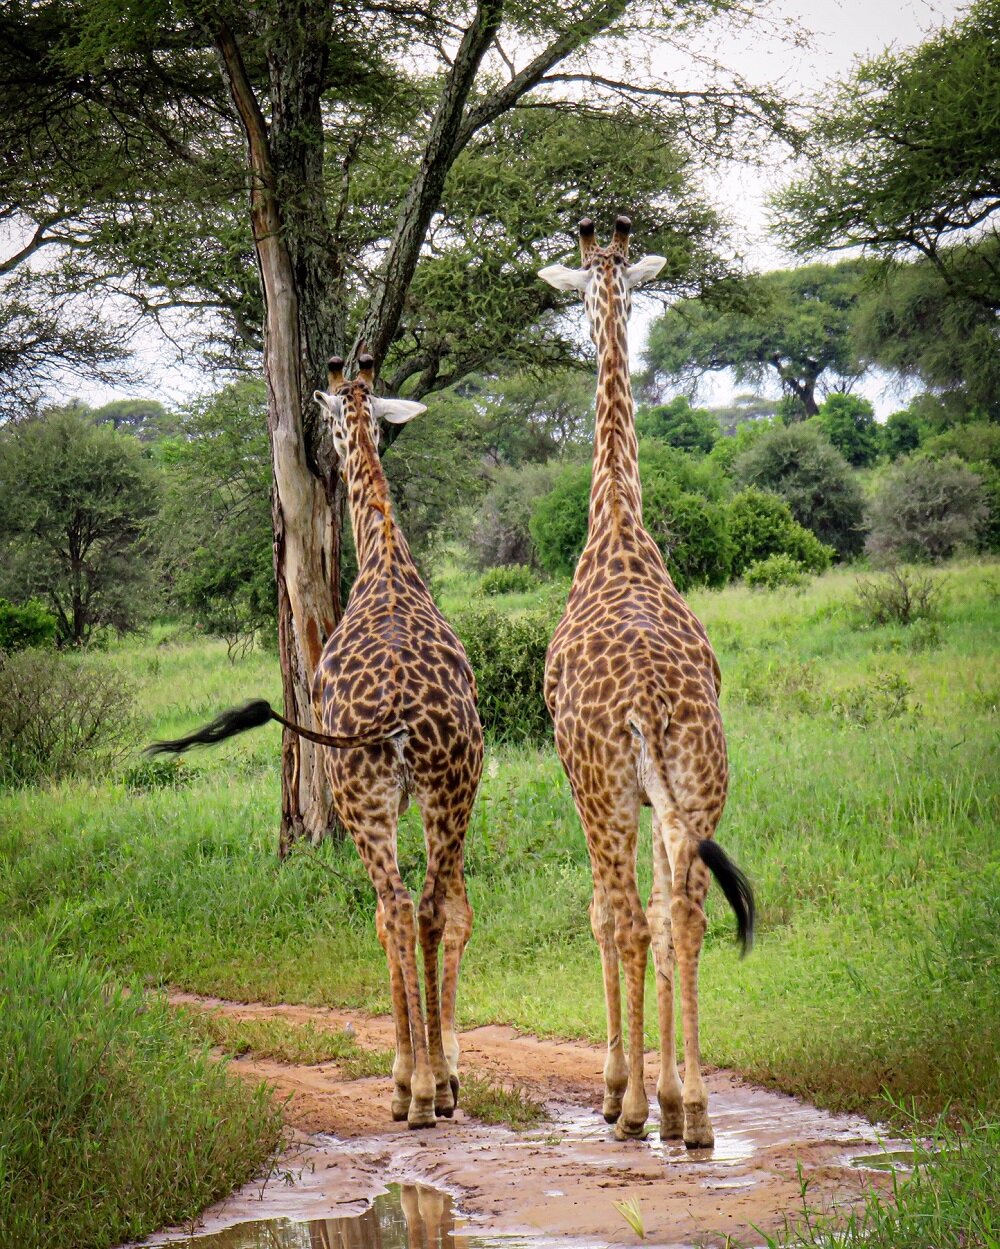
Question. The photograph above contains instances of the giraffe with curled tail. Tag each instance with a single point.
(396, 699)
(632, 685)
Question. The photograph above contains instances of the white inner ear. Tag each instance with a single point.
(564, 279)
(396, 411)
(330, 402)
(643, 270)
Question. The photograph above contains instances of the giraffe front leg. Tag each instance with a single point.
(602, 925)
(402, 1066)
(668, 1085)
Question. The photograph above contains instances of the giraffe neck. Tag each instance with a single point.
(615, 491)
(375, 532)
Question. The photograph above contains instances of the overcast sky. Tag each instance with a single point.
(842, 32)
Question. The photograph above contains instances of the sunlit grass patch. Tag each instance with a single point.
(280, 1039)
(490, 1101)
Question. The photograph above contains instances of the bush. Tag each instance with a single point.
(679, 425)
(924, 510)
(508, 657)
(681, 510)
(501, 534)
(111, 1125)
(61, 717)
(978, 444)
(813, 478)
(761, 524)
(774, 572)
(885, 697)
(900, 598)
(29, 624)
(902, 433)
(849, 423)
(512, 579)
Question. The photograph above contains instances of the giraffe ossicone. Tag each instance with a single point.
(632, 685)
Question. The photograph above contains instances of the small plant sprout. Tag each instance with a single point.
(631, 1212)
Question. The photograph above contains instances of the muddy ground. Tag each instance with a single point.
(556, 1180)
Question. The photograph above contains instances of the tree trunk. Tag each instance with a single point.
(304, 505)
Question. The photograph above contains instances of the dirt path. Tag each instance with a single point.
(562, 1178)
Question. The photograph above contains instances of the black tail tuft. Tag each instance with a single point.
(237, 720)
(735, 886)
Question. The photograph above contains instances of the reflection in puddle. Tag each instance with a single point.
(408, 1216)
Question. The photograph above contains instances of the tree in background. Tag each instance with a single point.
(848, 421)
(679, 425)
(792, 325)
(529, 417)
(905, 157)
(76, 506)
(902, 432)
(501, 532)
(799, 464)
(403, 190)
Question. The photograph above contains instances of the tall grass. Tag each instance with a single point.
(111, 1124)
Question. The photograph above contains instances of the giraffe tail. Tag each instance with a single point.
(734, 884)
(253, 715)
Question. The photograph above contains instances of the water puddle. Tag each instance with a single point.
(408, 1216)
(890, 1160)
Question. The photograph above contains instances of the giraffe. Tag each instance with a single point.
(632, 686)
(396, 699)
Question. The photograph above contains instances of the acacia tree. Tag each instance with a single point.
(905, 157)
(405, 168)
(791, 324)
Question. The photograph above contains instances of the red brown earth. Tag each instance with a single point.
(559, 1179)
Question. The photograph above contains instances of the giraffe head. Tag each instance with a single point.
(606, 279)
(354, 410)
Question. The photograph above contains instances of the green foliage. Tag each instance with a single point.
(489, 1101)
(76, 504)
(508, 658)
(901, 597)
(729, 448)
(761, 525)
(680, 510)
(509, 579)
(885, 696)
(25, 624)
(924, 510)
(902, 432)
(813, 478)
(679, 425)
(774, 572)
(978, 444)
(62, 717)
(110, 1125)
(501, 532)
(849, 423)
(217, 540)
(871, 184)
(793, 322)
(527, 418)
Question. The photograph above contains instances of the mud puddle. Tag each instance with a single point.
(556, 1184)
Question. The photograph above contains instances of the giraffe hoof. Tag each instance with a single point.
(612, 1108)
(444, 1112)
(422, 1118)
(698, 1133)
(629, 1131)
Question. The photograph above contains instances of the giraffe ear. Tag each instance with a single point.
(396, 411)
(330, 402)
(564, 279)
(644, 270)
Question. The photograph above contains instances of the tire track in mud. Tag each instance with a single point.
(561, 1178)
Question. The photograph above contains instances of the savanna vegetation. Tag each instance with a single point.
(844, 566)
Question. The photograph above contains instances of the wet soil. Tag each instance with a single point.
(558, 1181)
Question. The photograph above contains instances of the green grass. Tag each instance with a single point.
(280, 1039)
(870, 837)
(111, 1122)
(490, 1101)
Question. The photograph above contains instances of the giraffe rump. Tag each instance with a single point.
(735, 886)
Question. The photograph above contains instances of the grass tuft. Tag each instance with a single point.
(489, 1101)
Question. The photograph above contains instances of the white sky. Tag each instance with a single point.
(842, 32)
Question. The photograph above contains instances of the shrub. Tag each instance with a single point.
(761, 524)
(61, 717)
(508, 657)
(512, 579)
(500, 534)
(24, 625)
(901, 597)
(680, 508)
(110, 1124)
(774, 572)
(849, 423)
(813, 478)
(902, 433)
(978, 444)
(886, 696)
(924, 510)
(679, 425)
